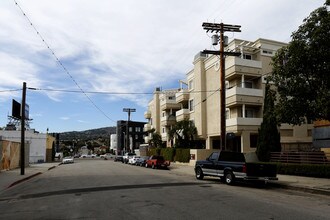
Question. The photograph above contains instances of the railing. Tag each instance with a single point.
(315, 157)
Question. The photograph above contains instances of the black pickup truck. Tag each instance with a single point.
(232, 165)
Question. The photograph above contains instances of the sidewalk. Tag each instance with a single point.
(307, 184)
(12, 177)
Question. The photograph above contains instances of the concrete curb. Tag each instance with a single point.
(24, 179)
(303, 189)
(30, 177)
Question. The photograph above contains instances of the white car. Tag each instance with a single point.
(133, 160)
(67, 160)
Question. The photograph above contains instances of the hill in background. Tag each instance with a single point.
(93, 134)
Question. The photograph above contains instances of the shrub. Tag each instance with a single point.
(168, 153)
(309, 170)
(182, 155)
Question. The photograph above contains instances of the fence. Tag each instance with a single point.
(318, 157)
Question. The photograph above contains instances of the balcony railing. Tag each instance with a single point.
(147, 127)
(168, 120)
(238, 95)
(182, 114)
(237, 61)
(167, 104)
(147, 115)
(243, 121)
(181, 96)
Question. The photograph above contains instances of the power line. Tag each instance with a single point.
(114, 93)
(11, 90)
(59, 61)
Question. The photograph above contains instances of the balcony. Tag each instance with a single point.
(182, 96)
(182, 114)
(147, 115)
(164, 136)
(243, 122)
(237, 61)
(147, 127)
(236, 65)
(238, 96)
(167, 104)
(168, 120)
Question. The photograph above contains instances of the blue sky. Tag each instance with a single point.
(110, 46)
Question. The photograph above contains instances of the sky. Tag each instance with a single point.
(84, 61)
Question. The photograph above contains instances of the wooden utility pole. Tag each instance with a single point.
(23, 129)
(221, 28)
(128, 110)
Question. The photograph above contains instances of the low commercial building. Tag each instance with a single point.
(41, 146)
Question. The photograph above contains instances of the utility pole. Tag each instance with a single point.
(221, 28)
(23, 129)
(128, 110)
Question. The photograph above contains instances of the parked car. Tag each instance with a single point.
(157, 162)
(133, 160)
(107, 156)
(67, 160)
(119, 158)
(230, 166)
(141, 161)
(127, 156)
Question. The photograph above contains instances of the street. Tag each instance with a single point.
(104, 189)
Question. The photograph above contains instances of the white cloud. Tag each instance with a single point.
(65, 118)
(131, 46)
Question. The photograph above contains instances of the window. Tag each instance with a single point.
(227, 114)
(249, 113)
(191, 85)
(171, 98)
(253, 140)
(247, 56)
(130, 129)
(247, 84)
(267, 52)
(136, 137)
(138, 129)
(191, 105)
(164, 130)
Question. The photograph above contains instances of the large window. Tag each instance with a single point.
(191, 105)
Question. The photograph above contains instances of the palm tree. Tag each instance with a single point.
(156, 139)
(184, 133)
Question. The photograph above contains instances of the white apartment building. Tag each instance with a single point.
(199, 100)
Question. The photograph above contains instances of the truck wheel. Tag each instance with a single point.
(199, 173)
(229, 178)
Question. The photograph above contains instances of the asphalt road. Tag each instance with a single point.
(103, 189)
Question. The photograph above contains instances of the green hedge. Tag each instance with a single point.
(309, 170)
(182, 155)
(171, 154)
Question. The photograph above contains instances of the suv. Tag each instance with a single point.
(127, 156)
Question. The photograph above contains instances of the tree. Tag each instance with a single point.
(184, 133)
(301, 71)
(156, 139)
(269, 137)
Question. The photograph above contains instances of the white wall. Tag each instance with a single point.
(37, 143)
